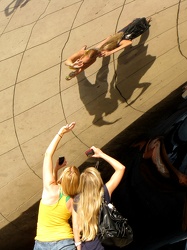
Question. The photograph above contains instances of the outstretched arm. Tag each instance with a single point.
(48, 177)
(123, 44)
(117, 166)
(103, 42)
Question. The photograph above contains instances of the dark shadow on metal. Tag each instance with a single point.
(129, 70)
(126, 79)
(102, 105)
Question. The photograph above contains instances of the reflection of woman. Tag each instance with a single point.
(80, 61)
(123, 38)
(53, 228)
(87, 203)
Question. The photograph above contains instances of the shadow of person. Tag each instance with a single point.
(125, 80)
(94, 95)
(132, 64)
(9, 10)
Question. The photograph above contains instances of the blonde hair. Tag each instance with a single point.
(112, 42)
(69, 180)
(91, 53)
(91, 192)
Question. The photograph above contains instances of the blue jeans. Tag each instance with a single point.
(67, 244)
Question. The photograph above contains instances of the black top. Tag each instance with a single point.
(134, 29)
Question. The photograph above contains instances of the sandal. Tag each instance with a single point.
(70, 76)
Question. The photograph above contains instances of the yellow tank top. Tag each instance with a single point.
(53, 222)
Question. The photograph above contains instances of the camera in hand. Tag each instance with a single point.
(61, 160)
(89, 152)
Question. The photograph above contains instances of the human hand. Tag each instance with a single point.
(66, 129)
(105, 53)
(100, 54)
(97, 152)
(77, 64)
(58, 166)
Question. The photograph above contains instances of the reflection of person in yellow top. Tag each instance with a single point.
(81, 60)
(53, 229)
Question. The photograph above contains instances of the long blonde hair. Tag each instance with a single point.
(112, 42)
(69, 180)
(91, 53)
(91, 192)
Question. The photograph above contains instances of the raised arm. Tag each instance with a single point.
(117, 166)
(103, 42)
(48, 175)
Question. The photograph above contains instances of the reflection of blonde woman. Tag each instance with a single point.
(87, 203)
(53, 228)
(123, 38)
(80, 61)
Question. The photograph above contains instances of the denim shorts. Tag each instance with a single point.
(67, 244)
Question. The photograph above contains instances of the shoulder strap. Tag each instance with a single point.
(106, 195)
(67, 198)
(61, 194)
